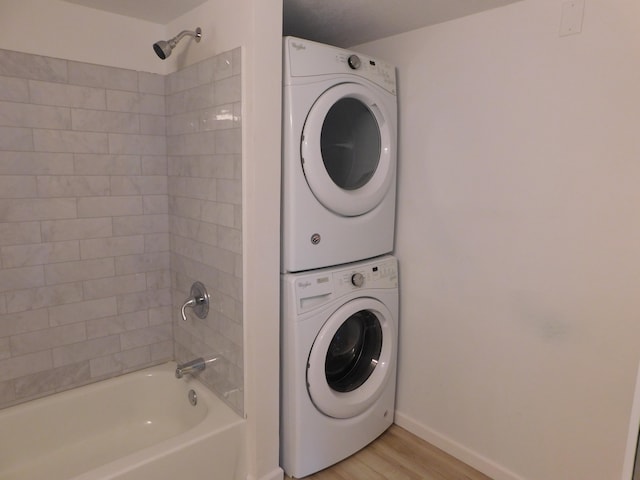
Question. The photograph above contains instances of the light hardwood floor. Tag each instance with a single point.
(399, 455)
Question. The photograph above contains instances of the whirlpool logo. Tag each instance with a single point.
(304, 284)
(298, 46)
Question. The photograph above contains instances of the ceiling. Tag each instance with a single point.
(342, 23)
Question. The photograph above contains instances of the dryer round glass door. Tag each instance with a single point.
(348, 149)
(352, 358)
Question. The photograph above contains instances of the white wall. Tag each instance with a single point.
(63, 30)
(518, 237)
(58, 29)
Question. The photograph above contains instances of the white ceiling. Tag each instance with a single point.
(343, 23)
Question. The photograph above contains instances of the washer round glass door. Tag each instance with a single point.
(351, 358)
(348, 149)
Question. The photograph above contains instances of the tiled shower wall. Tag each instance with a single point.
(85, 279)
(205, 215)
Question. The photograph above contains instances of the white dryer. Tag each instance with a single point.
(339, 156)
(338, 362)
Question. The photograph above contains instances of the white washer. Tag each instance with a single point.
(338, 362)
(339, 156)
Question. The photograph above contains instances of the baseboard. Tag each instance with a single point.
(276, 474)
(468, 456)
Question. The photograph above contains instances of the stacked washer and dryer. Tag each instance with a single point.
(339, 282)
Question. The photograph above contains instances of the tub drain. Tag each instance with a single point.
(193, 397)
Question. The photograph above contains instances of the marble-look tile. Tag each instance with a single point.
(151, 83)
(20, 278)
(154, 165)
(58, 230)
(155, 204)
(146, 336)
(145, 103)
(39, 254)
(121, 362)
(147, 262)
(142, 301)
(23, 322)
(63, 95)
(87, 164)
(103, 77)
(182, 79)
(31, 209)
(7, 393)
(112, 286)
(218, 117)
(228, 141)
(156, 242)
(111, 246)
(81, 270)
(82, 311)
(158, 280)
(139, 185)
(36, 298)
(81, 351)
(153, 124)
(23, 65)
(46, 339)
(36, 163)
(70, 142)
(14, 89)
(139, 224)
(52, 380)
(160, 315)
(109, 206)
(126, 144)
(18, 186)
(198, 188)
(229, 191)
(16, 139)
(230, 239)
(228, 90)
(101, 121)
(102, 327)
(162, 351)
(34, 116)
(72, 185)
(22, 365)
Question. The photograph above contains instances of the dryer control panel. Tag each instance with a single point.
(304, 58)
(323, 286)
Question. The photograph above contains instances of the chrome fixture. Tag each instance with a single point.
(199, 301)
(194, 366)
(163, 48)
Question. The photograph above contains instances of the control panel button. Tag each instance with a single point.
(354, 62)
(357, 279)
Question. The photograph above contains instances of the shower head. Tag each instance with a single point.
(163, 48)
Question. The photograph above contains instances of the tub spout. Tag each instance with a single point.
(193, 366)
(190, 368)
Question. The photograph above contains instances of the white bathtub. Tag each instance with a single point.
(140, 426)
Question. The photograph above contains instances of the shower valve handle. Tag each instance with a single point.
(199, 301)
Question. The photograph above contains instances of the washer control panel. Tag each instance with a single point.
(320, 287)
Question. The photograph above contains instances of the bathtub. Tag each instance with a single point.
(140, 426)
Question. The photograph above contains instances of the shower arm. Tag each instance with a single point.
(197, 35)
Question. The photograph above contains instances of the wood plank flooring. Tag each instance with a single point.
(399, 455)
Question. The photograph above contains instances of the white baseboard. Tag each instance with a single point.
(468, 456)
